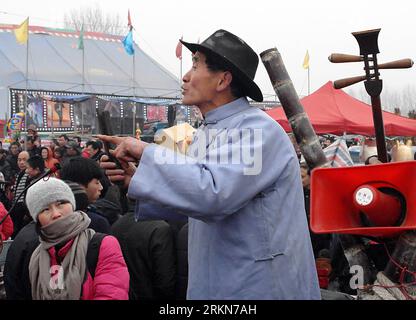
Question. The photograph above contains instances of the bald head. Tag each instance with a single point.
(22, 160)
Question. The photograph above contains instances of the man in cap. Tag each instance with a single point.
(239, 184)
(71, 151)
(33, 132)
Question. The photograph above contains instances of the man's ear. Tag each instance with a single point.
(225, 80)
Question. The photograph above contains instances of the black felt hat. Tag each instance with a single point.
(237, 55)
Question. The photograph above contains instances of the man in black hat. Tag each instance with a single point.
(239, 184)
(71, 151)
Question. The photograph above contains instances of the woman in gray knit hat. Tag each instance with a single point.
(58, 267)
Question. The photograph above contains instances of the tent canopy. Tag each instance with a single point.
(56, 64)
(334, 111)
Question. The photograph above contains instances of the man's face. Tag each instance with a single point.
(306, 180)
(199, 84)
(71, 152)
(93, 190)
(61, 141)
(29, 145)
(14, 150)
(22, 160)
(32, 172)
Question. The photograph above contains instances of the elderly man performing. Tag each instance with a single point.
(239, 184)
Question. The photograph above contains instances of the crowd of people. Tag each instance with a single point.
(226, 220)
(136, 260)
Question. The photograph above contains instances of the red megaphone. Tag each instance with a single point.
(375, 200)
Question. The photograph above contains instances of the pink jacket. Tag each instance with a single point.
(111, 280)
(6, 228)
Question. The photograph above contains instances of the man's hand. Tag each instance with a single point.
(115, 175)
(128, 149)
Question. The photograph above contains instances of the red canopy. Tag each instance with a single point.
(333, 111)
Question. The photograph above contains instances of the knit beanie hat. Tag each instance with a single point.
(45, 192)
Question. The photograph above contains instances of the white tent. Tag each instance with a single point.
(55, 65)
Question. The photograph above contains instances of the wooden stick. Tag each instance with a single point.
(341, 57)
(342, 83)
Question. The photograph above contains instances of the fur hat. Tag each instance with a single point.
(45, 192)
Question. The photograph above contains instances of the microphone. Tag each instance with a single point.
(48, 172)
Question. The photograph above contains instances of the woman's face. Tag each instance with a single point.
(54, 211)
(44, 154)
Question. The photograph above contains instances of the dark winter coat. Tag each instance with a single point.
(6, 169)
(182, 263)
(98, 222)
(12, 160)
(149, 251)
(16, 275)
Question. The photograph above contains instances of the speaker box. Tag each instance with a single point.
(334, 209)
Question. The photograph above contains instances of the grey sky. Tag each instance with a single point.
(321, 26)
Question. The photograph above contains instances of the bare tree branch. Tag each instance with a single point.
(94, 20)
(403, 101)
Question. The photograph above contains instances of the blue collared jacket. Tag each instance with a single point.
(240, 186)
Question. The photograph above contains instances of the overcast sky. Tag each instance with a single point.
(321, 26)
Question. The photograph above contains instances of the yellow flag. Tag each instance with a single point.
(21, 32)
(306, 60)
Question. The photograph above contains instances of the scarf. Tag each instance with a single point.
(61, 282)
